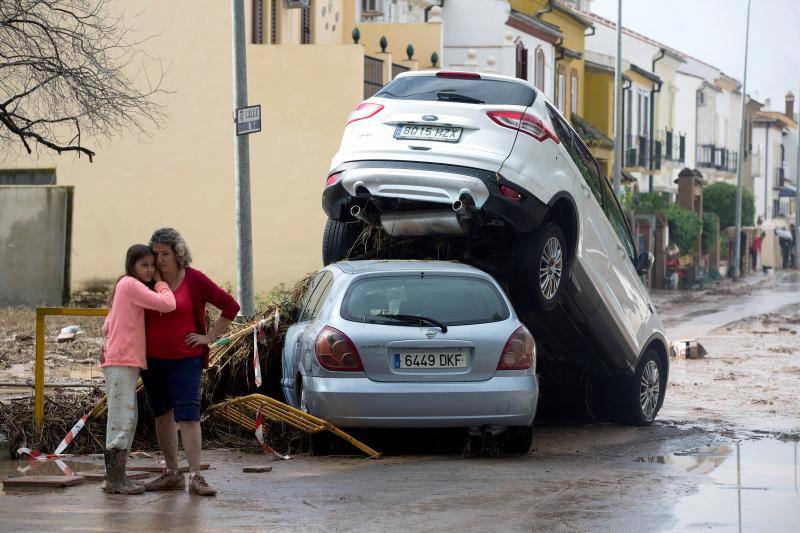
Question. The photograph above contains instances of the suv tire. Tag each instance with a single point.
(543, 267)
(643, 393)
(338, 240)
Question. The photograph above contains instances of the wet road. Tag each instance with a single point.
(723, 456)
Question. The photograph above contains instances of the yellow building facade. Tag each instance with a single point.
(181, 174)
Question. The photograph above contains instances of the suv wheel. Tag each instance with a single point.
(338, 240)
(543, 267)
(643, 393)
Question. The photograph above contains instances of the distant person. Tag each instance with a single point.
(755, 249)
(785, 240)
(123, 354)
(177, 352)
(793, 246)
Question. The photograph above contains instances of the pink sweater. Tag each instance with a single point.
(124, 325)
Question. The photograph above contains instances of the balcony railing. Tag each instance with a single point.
(717, 157)
(637, 151)
(674, 146)
(373, 75)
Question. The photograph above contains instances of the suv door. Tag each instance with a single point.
(633, 296)
(592, 255)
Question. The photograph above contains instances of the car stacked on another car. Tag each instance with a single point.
(411, 344)
(484, 169)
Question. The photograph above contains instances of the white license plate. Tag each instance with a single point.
(427, 133)
(430, 359)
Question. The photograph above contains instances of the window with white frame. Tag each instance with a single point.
(561, 92)
(573, 92)
(539, 74)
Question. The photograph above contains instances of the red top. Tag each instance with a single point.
(166, 334)
(756, 245)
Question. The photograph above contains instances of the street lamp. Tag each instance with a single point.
(738, 229)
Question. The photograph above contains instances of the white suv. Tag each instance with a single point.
(483, 169)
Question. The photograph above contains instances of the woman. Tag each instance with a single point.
(177, 352)
(124, 354)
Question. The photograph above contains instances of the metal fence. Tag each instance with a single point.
(373, 75)
(717, 157)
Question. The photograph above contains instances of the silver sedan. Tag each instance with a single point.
(411, 344)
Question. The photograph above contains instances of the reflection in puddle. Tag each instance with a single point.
(754, 484)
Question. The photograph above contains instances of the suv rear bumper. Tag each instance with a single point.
(429, 183)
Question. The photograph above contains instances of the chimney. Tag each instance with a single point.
(789, 105)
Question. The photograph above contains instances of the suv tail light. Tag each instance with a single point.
(519, 352)
(458, 75)
(510, 193)
(334, 178)
(335, 351)
(523, 122)
(362, 111)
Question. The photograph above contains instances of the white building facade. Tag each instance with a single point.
(488, 36)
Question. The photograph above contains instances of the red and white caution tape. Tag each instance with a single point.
(39, 456)
(260, 436)
(256, 361)
(72, 433)
(64, 468)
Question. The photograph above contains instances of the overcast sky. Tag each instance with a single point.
(714, 31)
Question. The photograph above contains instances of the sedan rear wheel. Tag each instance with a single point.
(519, 439)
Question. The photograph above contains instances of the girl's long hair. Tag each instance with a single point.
(135, 252)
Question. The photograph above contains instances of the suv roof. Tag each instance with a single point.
(396, 265)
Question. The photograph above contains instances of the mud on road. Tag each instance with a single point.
(723, 454)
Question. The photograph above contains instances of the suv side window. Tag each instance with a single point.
(317, 297)
(618, 221)
(579, 154)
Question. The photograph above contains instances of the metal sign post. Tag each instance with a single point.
(244, 231)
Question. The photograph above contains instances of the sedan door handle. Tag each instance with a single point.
(622, 251)
(586, 191)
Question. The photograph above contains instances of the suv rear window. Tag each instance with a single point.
(470, 91)
(451, 300)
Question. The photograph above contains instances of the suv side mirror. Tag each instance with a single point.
(644, 263)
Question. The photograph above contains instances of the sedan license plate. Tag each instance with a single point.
(427, 133)
(430, 359)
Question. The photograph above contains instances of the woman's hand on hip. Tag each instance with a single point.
(195, 339)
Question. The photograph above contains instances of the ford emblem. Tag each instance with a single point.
(430, 118)
(431, 333)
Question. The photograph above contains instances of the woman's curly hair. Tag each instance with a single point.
(175, 241)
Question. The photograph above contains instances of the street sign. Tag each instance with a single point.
(248, 120)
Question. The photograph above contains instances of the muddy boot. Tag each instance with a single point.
(117, 481)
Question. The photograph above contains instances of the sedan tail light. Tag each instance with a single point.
(335, 351)
(519, 352)
(362, 111)
(523, 122)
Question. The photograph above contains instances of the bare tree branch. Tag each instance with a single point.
(65, 75)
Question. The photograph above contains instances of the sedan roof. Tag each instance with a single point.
(361, 267)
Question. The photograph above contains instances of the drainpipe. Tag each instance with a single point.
(653, 92)
(766, 170)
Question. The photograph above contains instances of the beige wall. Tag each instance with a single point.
(182, 176)
(426, 38)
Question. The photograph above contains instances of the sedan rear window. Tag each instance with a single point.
(449, 300)
(469, 91)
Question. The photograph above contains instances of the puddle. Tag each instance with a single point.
(700, 312)
(749, 485)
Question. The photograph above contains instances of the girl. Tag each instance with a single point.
(124, 354)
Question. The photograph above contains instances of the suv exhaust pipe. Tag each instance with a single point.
(464, 206)
(361, 214)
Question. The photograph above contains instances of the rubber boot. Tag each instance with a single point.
(117, 481)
